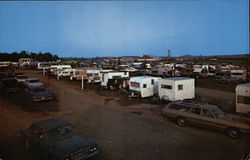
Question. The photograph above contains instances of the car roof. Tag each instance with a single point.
(32, 79)
(21, 75)
(209, 107)
(204, 106)
(51, 124)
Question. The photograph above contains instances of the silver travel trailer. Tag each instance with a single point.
(176, 88)
(243, 98)
(143, 86)
(110, 79)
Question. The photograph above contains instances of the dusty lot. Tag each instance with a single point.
(122, 128)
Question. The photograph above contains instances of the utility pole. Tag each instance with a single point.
(82, 82)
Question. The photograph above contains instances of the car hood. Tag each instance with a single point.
(42, 94)
(237, 119)
(67, 146)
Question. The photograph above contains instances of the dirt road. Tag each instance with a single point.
(126, 132)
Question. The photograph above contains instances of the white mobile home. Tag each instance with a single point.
(109, 79)
(55, 68)
(79, 73)
(239, 74)
(24, 61)
(143, 86)
(94, 76)
(65, 72)
(176, 88)
(243, 98)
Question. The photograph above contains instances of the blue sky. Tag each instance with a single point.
(125, 28)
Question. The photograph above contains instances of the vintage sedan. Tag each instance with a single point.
(32, 82)
(38, 93)
(10, 85)
(208, 116)
(56, 139)
(21, 78)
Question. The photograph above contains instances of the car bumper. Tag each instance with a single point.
(42, 99)
(89, 156)
(92, 154)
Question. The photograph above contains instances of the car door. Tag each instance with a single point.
(34, 137)
(28, 93)
(210, 121)
(194, 116)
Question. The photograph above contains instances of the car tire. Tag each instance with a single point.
(52, 158)
(181, 121)
(233, 133)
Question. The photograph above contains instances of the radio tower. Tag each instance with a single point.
(169, 53)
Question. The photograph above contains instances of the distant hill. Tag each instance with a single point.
(216, 56)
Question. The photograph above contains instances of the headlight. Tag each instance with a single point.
(66, 159)
(93, 149)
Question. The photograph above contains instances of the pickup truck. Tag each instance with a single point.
(208, 116)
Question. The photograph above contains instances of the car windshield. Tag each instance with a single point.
(218, 113)
(33, 80)
(60, 132)
(38, 89)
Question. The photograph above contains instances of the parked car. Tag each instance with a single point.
(246, 156)
(56, 139)
(9, 85)
(21, 78)
(38, 93)
(32, 82)
(227, 80)
(208, 116)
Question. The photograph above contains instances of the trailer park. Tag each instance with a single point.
(120, 104)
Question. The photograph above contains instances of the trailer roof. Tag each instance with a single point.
(247, 85)
(143, 78)
(178, 78)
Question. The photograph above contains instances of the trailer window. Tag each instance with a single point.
(144, 85)
(237, 74)
(135, 84)
(166, 86)
(180, 87)
(116, 77)
(243, 99)
(152, 81)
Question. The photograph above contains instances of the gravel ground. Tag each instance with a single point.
(122, 128)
